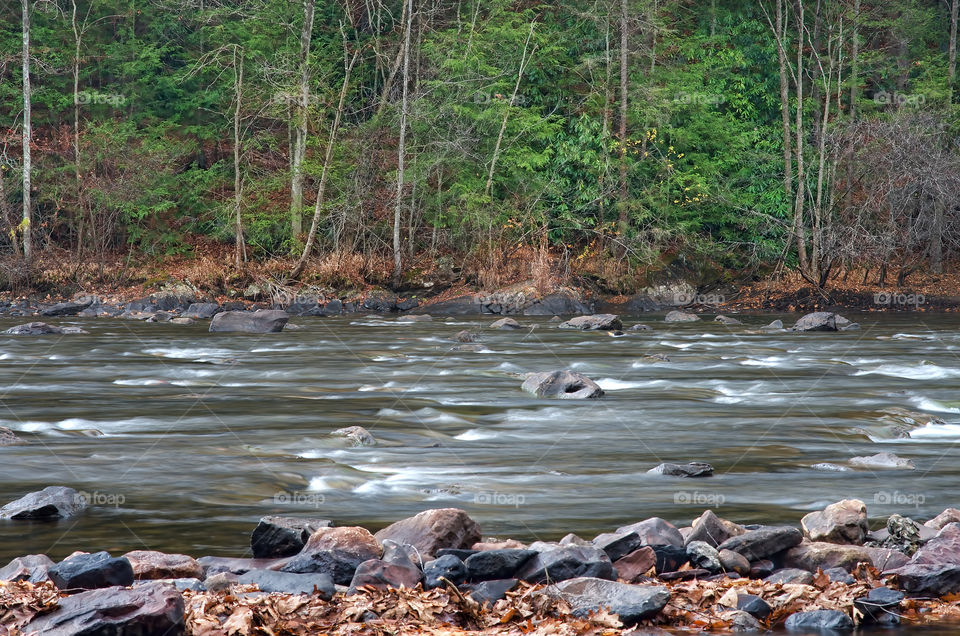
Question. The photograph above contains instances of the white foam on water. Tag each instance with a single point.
(374, 387)
(613, 384)
(770, 361)
(935, 432)
(677, 345)
(475, 435)
(912, 372)
(192, 353)
(927, 404)
(142, 382)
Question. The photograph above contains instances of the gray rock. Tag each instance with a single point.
(152, 608)
(820, 555)
(880, 605)
(734, 562)
(609, 322)
(820, 321)
(560, 564)
(691, 469)
(70, 308)
(505, 324)
(790, 575)
(753, 605)
(740, 621)
(91, 571)
(681, 316)
(276, 537)
(491, 591)
(567, 385)
(632, 603)
(950, 515)
(655, 531)
(49, 503)
(32, 568)
(820, 621)
(289, 583)
(261, 321)
(841, 522)
(712, 529)
(464, 336)
(332, 308)
(415, 318)
(446, 567)
(883, 460)
(401, 553)
(42, 329)
(764, 542)
(380, 574)
(491, 565)
(433, 530)
(641, 327)
(357, 435)
(727, 320)
(703, 555)
(202, 311)
(618, 545)
(773, 326)
(8, 437)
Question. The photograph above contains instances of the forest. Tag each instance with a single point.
(484, 140)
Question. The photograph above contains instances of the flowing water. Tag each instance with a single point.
(183, 438)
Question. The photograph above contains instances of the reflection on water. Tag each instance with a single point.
(201, 434)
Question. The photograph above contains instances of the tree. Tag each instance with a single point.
(402, 145)
(300, 141)
(25, 225)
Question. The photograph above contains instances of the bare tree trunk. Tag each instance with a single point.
(300, 141)
(27, 137)
(240, 255)
(936, 230)
(76, 127)
(394, 68)
(402, 147)
(624, 86)
(328, 156)
(506, 113)
(801, 176)
(954, 8)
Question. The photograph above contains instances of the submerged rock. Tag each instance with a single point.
(692, 469)
(357, 435)
(598, 321)
(727, 320)
(567, 385)
(681, 316)
(505, 323)
(42, 329)
(883, 460)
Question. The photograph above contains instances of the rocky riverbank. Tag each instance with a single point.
(437, 573)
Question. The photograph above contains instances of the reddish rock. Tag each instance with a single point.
(841, 522)
(508, 544)
(632, 567)
(350, 539)
(433, 530)
(654, 531)
(886, 559)
(734, 562)
(950, 515)
(151, 565)
(811, 556)
(154, 608)
(381, 574)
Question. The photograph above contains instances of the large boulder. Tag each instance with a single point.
(927, 579)
(42, 329)
(763, 542)
(276, 537)
(154, 608)
(335, 551)
(608, 322)
(655, 531)
(560, 564)
(821, 321)
(70, 308)
(841, 522)
(566, 385)
(50, 503)
(433, 530)
(91, 571)
(32, 568)
(632, 603)
(261, 321)
(151, 565)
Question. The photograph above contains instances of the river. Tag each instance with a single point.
(183, 439)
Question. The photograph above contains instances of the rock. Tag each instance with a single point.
(790, 576)
(685, 575)
(496, 564)
(271, 581)
(703, 555)
(727, 320)
(634, 566)
(655, 531)
(151, 565)
(839, 575)
(383, 575)
(712, 529)
(202, 311)
(448, 567)
(307, 307)
(927, 579)
(811, 556)
(632, 603)
(8, 437)
(573, 539)
(567, 385)
(761, 569)
(618, 545)
(669, 558)
(49, 503)
(70, 308)
(819, 321)
(42, 329)
(830, 468)
(902, 534)
(357, 435)
(401, 553)
(841, 522)
(560, 304)
(505, 323)
(944, 548)
(181, 321)
(181, 585)
(641, 327)
(459, 306)
(217, 565)
(32, 568)
(464, 336)
(764, 542)
(691, 469)
(883, 460)
(773, 326)
(819, 621)
(462, 554)
(335, 551)
(407, 304)
(734, 562)
(880, 605)
(491, 591)
(91, 571)
(380, 301)
(332, 308)
(493, 544)
(950, 515)
(886, 559)
(680, 316)
(754, 606)
(276, 537)
(560, 564)
(154, 608)
(433, 530)
(740, 621)
(607, 322)
(415, 318)
(261, 321)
